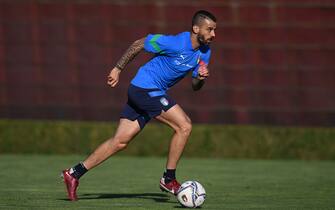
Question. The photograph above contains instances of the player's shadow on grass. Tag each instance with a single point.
(158, 197)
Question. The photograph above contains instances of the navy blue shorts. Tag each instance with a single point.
(144, 104)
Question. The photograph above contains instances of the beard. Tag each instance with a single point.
(202, 40)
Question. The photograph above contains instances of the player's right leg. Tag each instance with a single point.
(125, 132)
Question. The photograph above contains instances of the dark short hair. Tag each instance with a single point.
(201, 15)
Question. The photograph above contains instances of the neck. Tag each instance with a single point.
(195, 42)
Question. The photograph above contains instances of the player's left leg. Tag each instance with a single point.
(177, 119)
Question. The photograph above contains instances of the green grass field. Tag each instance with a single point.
(32, 182)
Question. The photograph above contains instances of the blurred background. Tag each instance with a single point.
(272, 61)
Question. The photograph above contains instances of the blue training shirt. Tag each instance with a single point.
(174, 58)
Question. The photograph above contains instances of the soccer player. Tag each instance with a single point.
(174, 57)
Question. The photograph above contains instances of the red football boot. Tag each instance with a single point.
(71, 185)
(171, 187)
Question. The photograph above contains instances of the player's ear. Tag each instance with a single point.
(195, 29)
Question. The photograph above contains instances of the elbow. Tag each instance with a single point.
(139, 42)
(196, 88)
(197, 84)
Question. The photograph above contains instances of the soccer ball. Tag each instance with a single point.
(191, 194)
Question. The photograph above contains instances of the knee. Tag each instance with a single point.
(185, 128)
(122, 146)
(118, 144)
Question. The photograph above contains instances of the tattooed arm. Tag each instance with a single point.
(130, 54)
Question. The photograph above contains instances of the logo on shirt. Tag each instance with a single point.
(183, 60)
(164, 101)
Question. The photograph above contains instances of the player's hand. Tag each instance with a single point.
(113, 77)
(203, 72)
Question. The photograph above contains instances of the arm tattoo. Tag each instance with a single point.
(130, 54)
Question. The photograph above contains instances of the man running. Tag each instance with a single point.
(174, 57)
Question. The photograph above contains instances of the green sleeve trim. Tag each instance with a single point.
(154, 43)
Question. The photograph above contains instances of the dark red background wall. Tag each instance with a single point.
(272, 61)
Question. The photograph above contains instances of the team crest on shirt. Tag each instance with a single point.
(164, 101)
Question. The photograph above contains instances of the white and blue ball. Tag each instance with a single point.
(191, 194)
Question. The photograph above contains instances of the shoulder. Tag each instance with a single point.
(179, 42)
(168, 43)
(167, 37)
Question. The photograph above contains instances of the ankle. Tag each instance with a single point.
(78, 170)
(169, 175)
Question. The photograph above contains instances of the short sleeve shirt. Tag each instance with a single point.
(174, 59)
